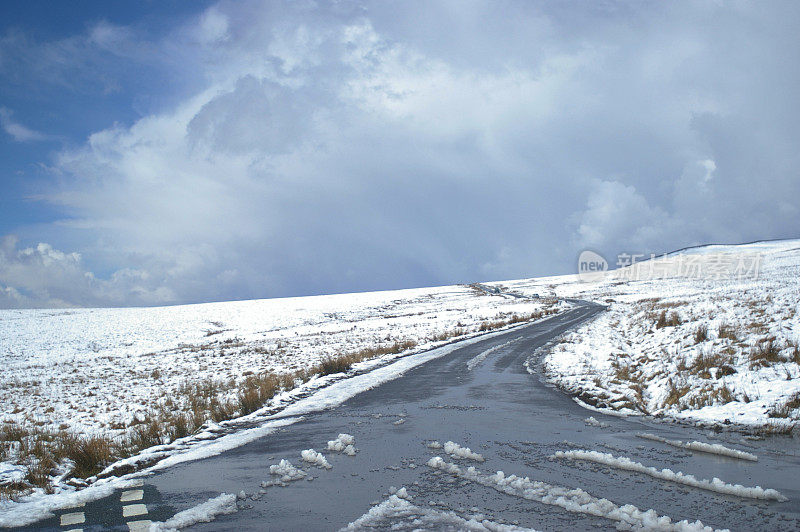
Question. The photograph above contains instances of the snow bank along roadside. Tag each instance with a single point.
(122, 380)
(39, 505)
(712, 351)
(715, 484)
(573, 500)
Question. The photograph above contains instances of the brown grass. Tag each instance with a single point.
(623, 371)
(256, 390)
(710, 395)
(777, 429)
(795, 356)
(185, 412)
(675, 394)
(177, 417)
(670, 304)
(727, 331)
(671, 320)
(89, 454)
(491, 325)
(705, 362)
(701, 334)
(146, 434)
(764, 353)
(785, 410)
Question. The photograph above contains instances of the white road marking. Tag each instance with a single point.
(131, 495)
(133, 510)
(139, 526)
(136, 483)
(74, 518)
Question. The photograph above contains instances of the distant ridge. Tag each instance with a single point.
(699, 246)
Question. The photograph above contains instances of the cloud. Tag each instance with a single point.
(349, 147)
(16, 130)
(42, 276)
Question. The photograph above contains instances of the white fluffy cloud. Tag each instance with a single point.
(42, 276)
(17, 131)
(345, 148)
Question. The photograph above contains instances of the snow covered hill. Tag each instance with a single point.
(714, 348)
(110, 382)
(102, 384)
(94, 369)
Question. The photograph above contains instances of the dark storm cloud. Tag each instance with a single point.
(349, 147)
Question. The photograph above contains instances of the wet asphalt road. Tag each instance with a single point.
(496, 408)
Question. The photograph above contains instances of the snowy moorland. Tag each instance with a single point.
(101, 384)
(716, 349)
(84, 388)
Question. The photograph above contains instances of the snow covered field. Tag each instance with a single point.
(712, 350)
(700, 348)
(103, 372)
(94, 369)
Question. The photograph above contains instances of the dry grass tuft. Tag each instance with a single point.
(701, 334)
(89, 454)
(705, 362)
(727, 331)
(764, 353)
(786, 409)
(710, 395)
(671, 320)
(516, 318)
(777, 429)
(675, 394)
(795, 356)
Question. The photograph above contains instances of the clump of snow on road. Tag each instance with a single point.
(313, 457)
(397, 512)
(344, 443)
(715, 484)
(700, 348)
(592, 422)
(711, 448)
(573, 500)
(402, 492)
(456, 451)
(286, 471)
(433, 445)
(202, 513)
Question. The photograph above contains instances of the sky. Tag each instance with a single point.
(159, 153)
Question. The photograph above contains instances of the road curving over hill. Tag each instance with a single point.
(479, 396)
